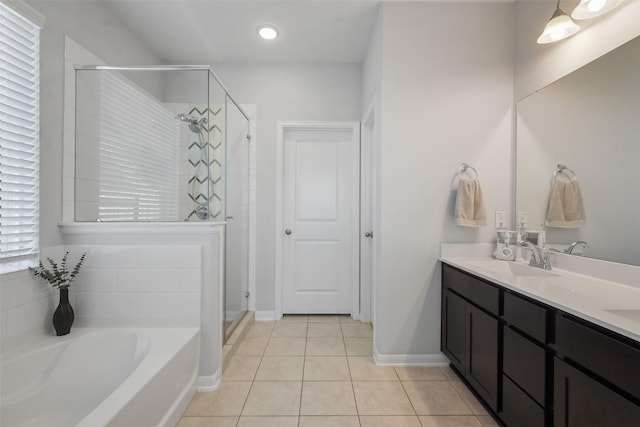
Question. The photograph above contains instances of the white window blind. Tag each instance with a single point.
(19, 134)
(138, 155)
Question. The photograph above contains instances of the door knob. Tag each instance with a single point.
(368, 234)
(287, 232)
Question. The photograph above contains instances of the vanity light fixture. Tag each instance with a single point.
(588, 9)
(268, 32)
(559, 27)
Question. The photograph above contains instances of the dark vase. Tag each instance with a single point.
(63, 316)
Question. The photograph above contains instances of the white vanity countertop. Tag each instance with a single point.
(609, 304)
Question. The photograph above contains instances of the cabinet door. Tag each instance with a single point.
(482, 354)
(581, 401)
(453, 328)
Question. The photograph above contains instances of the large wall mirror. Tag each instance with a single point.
(588, 121)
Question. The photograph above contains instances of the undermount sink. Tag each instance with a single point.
(631, 314)
(513, 269)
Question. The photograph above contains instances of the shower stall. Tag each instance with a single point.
(165, 144)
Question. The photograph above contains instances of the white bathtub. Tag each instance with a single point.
(100, 377)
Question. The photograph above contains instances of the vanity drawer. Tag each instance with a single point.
(518, 409)
(476, 290)
(524, 362)
(605, 355)
(527, 316)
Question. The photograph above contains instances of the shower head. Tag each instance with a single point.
(194, 125)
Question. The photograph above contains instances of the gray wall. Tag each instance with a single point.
(285, 92)
(446, 98)
(94, 26)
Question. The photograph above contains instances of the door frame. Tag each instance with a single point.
(354, 128)
(368, 200)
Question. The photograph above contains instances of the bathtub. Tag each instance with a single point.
(100, 377)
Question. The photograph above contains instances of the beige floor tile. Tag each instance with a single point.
(273, 398)
(268, 422)
(450, 374)
(363, 368)
(390, 421)
(359, 346)
(285, 347)
(252, 347)
(329, 421)
(346, 318)
(417, 373)
(241, 368)
(325, 347)
(227, 400)
(260, 330)
(357, 330)
(294, 318)
(469, 398)
(450, 421)
(207, 422)
(290, 330)
(435, 398)
(324, 330)
(280, 368)
(326, 368)
(327, 398)
(382, 398)
(324, 318)
(487, 421)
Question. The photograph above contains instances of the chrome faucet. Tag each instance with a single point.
(538, 259)
(572, 246)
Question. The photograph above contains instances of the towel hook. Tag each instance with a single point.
(562, 169)
(464, 167)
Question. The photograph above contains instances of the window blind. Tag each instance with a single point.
(138, 155)
(19, 134)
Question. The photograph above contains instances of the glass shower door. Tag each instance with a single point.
(237, 216)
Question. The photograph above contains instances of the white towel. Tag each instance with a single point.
(470, 209)
(566, 209)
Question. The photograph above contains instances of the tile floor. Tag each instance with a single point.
(310, 371)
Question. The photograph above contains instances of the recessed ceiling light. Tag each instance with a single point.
(268, 32)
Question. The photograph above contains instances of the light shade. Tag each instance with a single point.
(268, 32)
(588, 9)
(559, 27)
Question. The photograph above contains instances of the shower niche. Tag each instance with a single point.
(165, 144)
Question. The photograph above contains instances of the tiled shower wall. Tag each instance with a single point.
(207, 175)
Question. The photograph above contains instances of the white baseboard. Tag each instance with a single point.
(209, 383)
(265, 315)
(438, 359)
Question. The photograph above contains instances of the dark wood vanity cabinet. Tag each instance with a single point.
(596, 377)
(470, 331)
(534, 365)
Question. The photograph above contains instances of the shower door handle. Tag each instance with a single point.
(287, 232)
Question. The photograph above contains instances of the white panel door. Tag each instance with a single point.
(318, 212)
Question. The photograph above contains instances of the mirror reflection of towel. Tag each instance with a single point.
(566, 209)
(470, 209)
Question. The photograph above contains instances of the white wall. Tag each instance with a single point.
(538, 65)
(446, 98)
(27, 306)
(285, 92)
(94, 26)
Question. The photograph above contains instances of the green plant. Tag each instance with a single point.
(59, 276)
